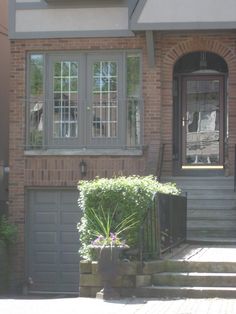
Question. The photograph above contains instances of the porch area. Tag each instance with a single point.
(195, 271)
(186, 251)
(202, 252)
(191, 270)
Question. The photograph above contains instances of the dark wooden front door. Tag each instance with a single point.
(201, 122)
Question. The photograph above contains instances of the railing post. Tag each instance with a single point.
(234, 167)
(158, 226)
(160, 161)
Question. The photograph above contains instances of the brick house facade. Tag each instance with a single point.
(59, 170)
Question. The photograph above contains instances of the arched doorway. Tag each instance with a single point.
(200, 115)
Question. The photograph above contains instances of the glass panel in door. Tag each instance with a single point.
(104, 99)
(65, 99)
(201, 120)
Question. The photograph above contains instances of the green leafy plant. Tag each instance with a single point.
(105, 223)
(118, 198)
(8, 231)
(106, 230)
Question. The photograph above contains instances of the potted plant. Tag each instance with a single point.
(107, 245)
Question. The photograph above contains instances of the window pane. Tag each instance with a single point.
(36, 76)
(74, 69)
(96, 69)
(65, 68)
(65, 84)
(57, 84)
(74, 87)
(65, 94)
(134, 101)
(96, 84)
(105, 102)
(133, 75)
(57, 69)
(36, 100)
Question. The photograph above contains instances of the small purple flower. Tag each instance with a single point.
(113, 236)
(112, 240)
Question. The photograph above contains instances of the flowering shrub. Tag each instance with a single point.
(116, 206)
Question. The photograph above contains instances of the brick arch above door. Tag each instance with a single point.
(194, 44)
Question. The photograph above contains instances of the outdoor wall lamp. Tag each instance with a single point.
(83, 168)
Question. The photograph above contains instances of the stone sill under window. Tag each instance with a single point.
(85, 152)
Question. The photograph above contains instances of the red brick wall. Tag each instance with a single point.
(38, 171)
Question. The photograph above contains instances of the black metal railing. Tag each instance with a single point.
(234, 167)
(160, 161)
(164, 225)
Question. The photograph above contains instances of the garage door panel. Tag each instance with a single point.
(49, 197)
(45, 237)
(69, 237)
(69, 197)
(69, 258)
(44, 248)
(69, 218)
(46, 257)
(43, 268)
(53, 259)
(45, 276)
(45, 218)
(68, 277)
(44, 208)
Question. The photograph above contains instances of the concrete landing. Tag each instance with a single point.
(203, 253)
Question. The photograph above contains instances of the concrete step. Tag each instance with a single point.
(185, 292)
(211, 224)
(194, 279)
(199, 266)
(229, 214)
(213, 235)
(212, 195)
(216, 181)
(203, 203)
(211, 240)
(211, 206)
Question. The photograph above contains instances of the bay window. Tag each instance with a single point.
(84, 100)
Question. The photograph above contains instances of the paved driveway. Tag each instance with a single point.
(124, 306)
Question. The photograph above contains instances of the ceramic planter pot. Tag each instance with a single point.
(108, 266)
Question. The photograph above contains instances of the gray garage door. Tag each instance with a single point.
(53, 243)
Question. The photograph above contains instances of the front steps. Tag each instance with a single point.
(211, 214)
(191, 279)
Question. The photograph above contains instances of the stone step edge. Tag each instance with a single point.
(180, 292)
(210, 240)
(185, 292)
(190, 288)
(196, 274)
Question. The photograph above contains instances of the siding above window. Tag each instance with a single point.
(184, 14)
(68, 19)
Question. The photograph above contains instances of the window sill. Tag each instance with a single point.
(85, 152)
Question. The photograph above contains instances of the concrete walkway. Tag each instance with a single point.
(124, 306)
